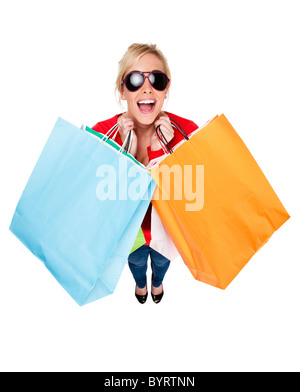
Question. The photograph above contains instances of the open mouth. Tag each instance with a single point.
(146, 106)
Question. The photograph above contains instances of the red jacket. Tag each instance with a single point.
(187, 125)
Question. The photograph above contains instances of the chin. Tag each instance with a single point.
(147, 119)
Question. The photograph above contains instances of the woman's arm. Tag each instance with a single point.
(167, 130)
(187, 125)
(126, 124)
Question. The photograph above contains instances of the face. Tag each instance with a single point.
(145, 114)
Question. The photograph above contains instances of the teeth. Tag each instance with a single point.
(146, 101)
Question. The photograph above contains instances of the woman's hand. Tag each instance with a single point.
(165, 127)
(126, 124)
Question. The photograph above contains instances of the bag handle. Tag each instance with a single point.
(163, 140)
(127, 142)
(107, 136)
(111, 134)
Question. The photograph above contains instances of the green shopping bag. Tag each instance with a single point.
(139, 241)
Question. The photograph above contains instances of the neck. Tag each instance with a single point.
(144, 130)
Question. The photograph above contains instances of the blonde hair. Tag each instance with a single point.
(132, 56)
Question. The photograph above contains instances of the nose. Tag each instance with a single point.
(147, 88)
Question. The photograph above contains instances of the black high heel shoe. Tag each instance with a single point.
(142, 298)
(157, 297)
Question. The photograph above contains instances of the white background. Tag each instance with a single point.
(240, 58)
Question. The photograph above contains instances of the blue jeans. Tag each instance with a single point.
(137, 262)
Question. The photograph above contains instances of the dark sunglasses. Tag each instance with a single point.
(135, 80)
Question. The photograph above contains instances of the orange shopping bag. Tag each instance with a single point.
(215, 202)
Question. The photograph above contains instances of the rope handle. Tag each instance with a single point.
(163, 141)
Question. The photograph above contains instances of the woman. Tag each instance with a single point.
(143, 81)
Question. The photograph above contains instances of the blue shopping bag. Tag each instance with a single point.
(81, 211)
